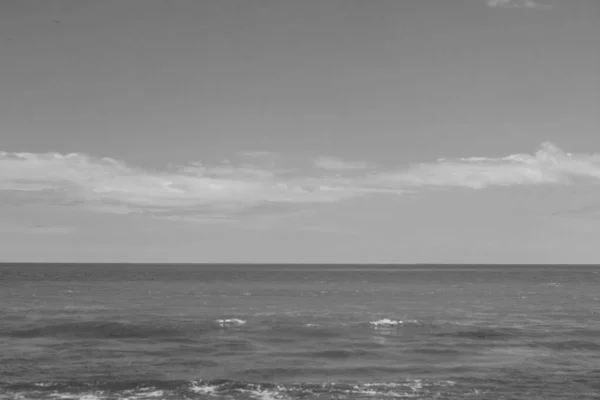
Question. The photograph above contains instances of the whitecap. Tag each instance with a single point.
(257, 393)
(225, 323)
(71, 396)
(386, 322)
(262, 394)
(413, 388)
(210, 390)
(147, 393)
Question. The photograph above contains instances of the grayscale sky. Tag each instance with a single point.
(300, 131)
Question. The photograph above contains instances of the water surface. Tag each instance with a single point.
(299, 332)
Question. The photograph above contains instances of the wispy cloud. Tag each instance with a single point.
(587, 212)
(517, 4)
(268, 157)
(258, 154)
(196, 192)
(549, 165)
(15, 228)
(109, 185)
(333, 163)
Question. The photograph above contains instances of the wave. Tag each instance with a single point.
(119, 329)
(92, 329)
(459, 331)
(224, 389)
(268, 391)
(386, 323)
(483, 387)
(482, 333)
(226, 323)
(274, 329)
(342, 354)
(568, 345)
(577, 386)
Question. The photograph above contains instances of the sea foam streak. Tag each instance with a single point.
(264, 391)
(229, 389)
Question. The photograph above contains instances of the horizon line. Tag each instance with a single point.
(3, 263)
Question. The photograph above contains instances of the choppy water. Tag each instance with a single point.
(299, 332)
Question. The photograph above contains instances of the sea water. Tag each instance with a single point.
(122, 331)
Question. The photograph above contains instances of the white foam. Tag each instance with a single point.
(386, 322)
(149, 393)
(383, 389)
(204, 389)
(224, 323)
(71, 396)
(260, 394)
(265, 394)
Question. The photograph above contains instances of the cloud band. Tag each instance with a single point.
(217, 192)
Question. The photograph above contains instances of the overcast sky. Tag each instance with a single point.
(300, 131)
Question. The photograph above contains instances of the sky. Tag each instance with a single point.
(313, 131)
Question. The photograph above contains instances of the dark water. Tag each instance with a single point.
(299, 332)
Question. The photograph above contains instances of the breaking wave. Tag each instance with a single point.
(386, 322)
(227, 389)
(282, 328)
(224, 323)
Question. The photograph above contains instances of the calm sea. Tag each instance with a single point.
(299, 332)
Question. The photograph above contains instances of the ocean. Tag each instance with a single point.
(123, 331)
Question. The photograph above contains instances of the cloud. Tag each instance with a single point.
(15, 228)
(261, 157)
(517, 4)
(583, 212)
(105, 184)
(333, 163)
(197, 192)
(258, 154)
(549, 165)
